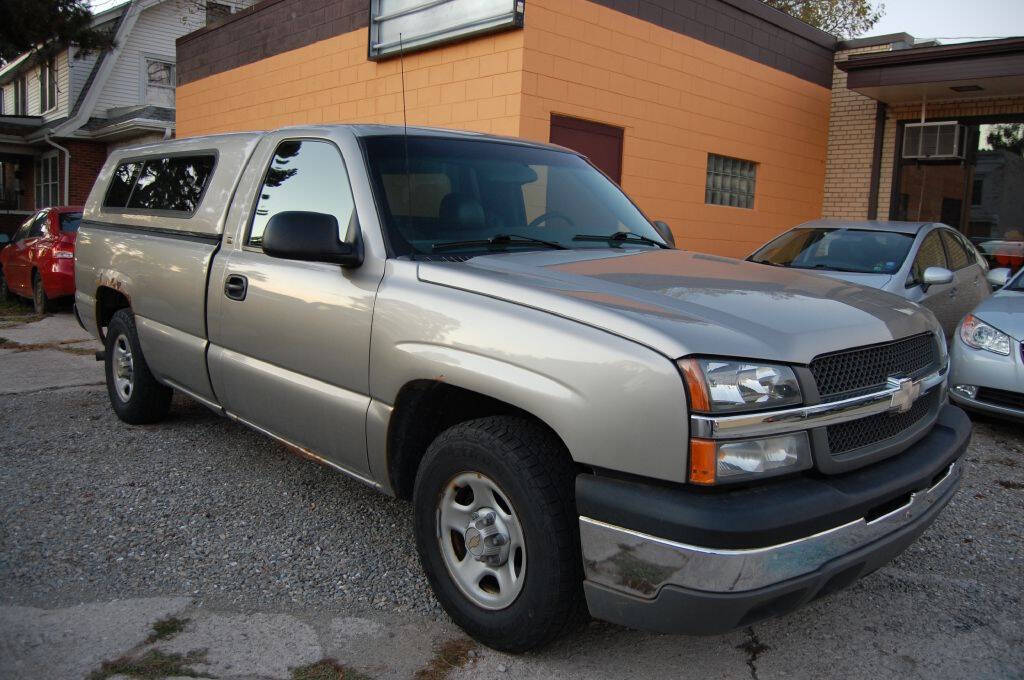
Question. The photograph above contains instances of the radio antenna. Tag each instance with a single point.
(405, 127)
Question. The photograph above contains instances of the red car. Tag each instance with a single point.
(39, 262)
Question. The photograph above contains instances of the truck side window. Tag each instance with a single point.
(121, 184)
(304, 175)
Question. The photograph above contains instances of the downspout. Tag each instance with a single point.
(876, 161)
(67, 168)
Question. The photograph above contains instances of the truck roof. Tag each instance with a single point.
(233, 150)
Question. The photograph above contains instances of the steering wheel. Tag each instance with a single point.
(543, 217)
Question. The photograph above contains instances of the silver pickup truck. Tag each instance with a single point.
(583, 416)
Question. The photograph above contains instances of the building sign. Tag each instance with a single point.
(410, 25)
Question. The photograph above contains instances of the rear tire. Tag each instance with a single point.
(40, 302)
(520, 480)
(135, 395)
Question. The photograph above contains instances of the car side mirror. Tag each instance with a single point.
(935, 275)
(311, 237)
(997, 278)
(665, 232)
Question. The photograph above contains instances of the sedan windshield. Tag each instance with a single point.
(472, 196)
(844, 250)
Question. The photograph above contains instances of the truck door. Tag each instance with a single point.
(289, 340)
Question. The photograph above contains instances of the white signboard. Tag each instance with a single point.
(410, 25)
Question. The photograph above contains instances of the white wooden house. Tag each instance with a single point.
(58, 120)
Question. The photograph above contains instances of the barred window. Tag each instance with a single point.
(730, 182)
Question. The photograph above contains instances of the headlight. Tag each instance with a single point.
(979, 335)
(718, 462)
(727, 386)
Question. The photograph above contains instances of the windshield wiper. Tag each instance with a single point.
(770, 263)
(498, 240)
(831, 268)
(620, 236)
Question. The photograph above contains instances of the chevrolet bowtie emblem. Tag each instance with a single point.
(907, 392)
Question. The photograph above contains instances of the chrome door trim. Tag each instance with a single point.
(818, 415)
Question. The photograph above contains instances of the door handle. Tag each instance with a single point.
(952, 292)
(236, 286)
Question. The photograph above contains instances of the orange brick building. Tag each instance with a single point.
(674, 86)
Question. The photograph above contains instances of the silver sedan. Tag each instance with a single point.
(987, 357)
(925, 262)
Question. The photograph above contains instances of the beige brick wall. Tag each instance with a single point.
(851, 139)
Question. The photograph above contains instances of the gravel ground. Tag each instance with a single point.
(196, 505)
(201, 508)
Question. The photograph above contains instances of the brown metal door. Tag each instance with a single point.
(601, 143)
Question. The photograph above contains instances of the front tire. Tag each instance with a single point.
(496, 530)
(135, 395)
(40, 302)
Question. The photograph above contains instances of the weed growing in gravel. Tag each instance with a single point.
(327, 669)
(449, 656)
(151, 665)
(164, 629)
(1010, 484)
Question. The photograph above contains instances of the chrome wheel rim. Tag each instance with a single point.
(124, 368)
(481, 540)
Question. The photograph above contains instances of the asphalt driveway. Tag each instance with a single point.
(253, 563)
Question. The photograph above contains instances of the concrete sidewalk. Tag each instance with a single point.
(49, 353)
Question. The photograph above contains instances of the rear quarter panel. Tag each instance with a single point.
(164, 279)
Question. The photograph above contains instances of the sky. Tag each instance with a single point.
(950, 19)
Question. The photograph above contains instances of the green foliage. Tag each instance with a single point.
(841, 18)
(1008, 136)
(47, 26)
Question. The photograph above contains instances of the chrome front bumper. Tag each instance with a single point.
(640, 565)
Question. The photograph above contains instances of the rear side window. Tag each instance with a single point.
(167, 184)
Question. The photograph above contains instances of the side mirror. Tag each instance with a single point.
(936, 275)
(311, 237)
(997, 278)
(664, 232)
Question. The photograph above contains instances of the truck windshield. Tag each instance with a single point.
(845, 250)
(468, 196)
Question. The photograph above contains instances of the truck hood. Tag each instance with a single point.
(681, 303)
(1004, 309)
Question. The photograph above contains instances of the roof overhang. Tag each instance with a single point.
(19, 125)
(984, 69)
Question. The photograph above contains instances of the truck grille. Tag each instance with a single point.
(873, 429)
(853, 372)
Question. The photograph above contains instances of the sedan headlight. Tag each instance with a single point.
(729, 386)
(979, 335)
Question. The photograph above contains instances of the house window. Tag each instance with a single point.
(19, 97)
(159, 82)
(215, 11)
(978, 192)
(730, 182)
(47, 87)
(46, 181)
